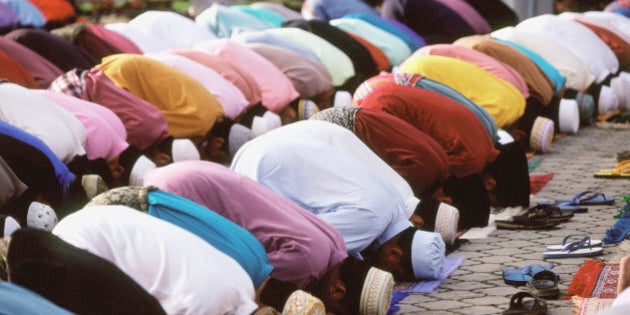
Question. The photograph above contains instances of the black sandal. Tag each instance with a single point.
(544, 285)
(531, 306)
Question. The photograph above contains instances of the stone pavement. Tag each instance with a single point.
(477, 287)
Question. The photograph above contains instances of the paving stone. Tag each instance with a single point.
(477, 286)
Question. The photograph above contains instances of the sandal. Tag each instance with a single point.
(565, 206)
(591, 242)
(520, 276)
(551, 213)
(622, 170)
(524, 303)
(588, 197)
(583, 248)
(544, 285)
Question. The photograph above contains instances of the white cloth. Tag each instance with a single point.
(583, 42)
(55, 126)
(175, 30)
(148, 43)
(192, 279)
(314, 165)
(549, 47)
(617, 22)
(229, 96)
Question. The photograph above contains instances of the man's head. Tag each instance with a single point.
(225, 138)
(411, 255)
(354, 287)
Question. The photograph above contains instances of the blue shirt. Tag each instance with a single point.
(412, 42)
(63, 174)
(218, 231)
(17, 300)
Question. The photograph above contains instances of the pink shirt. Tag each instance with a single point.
(106, 135)
(239, 77)
(301, 246)
(231, 98)
(479, 59)
(144, 122)
(277, 90)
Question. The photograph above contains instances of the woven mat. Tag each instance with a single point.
(594, 286)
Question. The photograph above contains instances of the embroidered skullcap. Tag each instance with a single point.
(302, 303)
(608, 101)
(41, 216)
(93, 185)
(377, 292)
(586, 105)
(542, 135)
(342, 98)
(306, 109)
(427, 254)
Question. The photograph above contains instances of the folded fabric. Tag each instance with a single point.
(588, 197)
(619, 230)
(586, 240)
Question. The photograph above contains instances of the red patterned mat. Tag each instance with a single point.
(595, 279)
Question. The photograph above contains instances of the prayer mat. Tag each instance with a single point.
(590, 306)
(428, 286)
(595, 279)
(397, 296)
(538, 182)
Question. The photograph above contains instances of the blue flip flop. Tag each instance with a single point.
(590, 242)
(520, 276)
(582, 248)
(589, 198)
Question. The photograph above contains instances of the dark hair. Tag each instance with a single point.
(275, 293)
(127, 159)
(247, 117)
(166, 146)
(353, 273)
(222, 129)
(470, 197)
(511, 173)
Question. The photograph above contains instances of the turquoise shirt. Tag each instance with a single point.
(552, 73)
(218, 231)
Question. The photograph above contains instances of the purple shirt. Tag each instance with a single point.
(301, 246)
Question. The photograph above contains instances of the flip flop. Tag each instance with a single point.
(544, 285)
(622, 170)
(565, 206)
(524, 303)
(587, 197)
(547, 213)
(593, 243)
(583, 248)
(520, 276)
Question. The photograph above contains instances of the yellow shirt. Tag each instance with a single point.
(501, 99)
(189, 108)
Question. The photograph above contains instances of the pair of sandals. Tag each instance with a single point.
(542, 285)
(542, 216)
(578, 203)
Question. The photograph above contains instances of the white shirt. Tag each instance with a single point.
(318, 173)
(183, 272)
(55, 126)
(549, 47)
(175, 30)
(583, 42)
(148, 43)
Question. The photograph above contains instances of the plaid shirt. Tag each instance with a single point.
(70, 83)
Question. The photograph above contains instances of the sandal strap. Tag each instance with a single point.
(585, 196)
(564, 241)
(622, 168)
(571, 247)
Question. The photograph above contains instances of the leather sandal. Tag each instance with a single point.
(524, 303)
